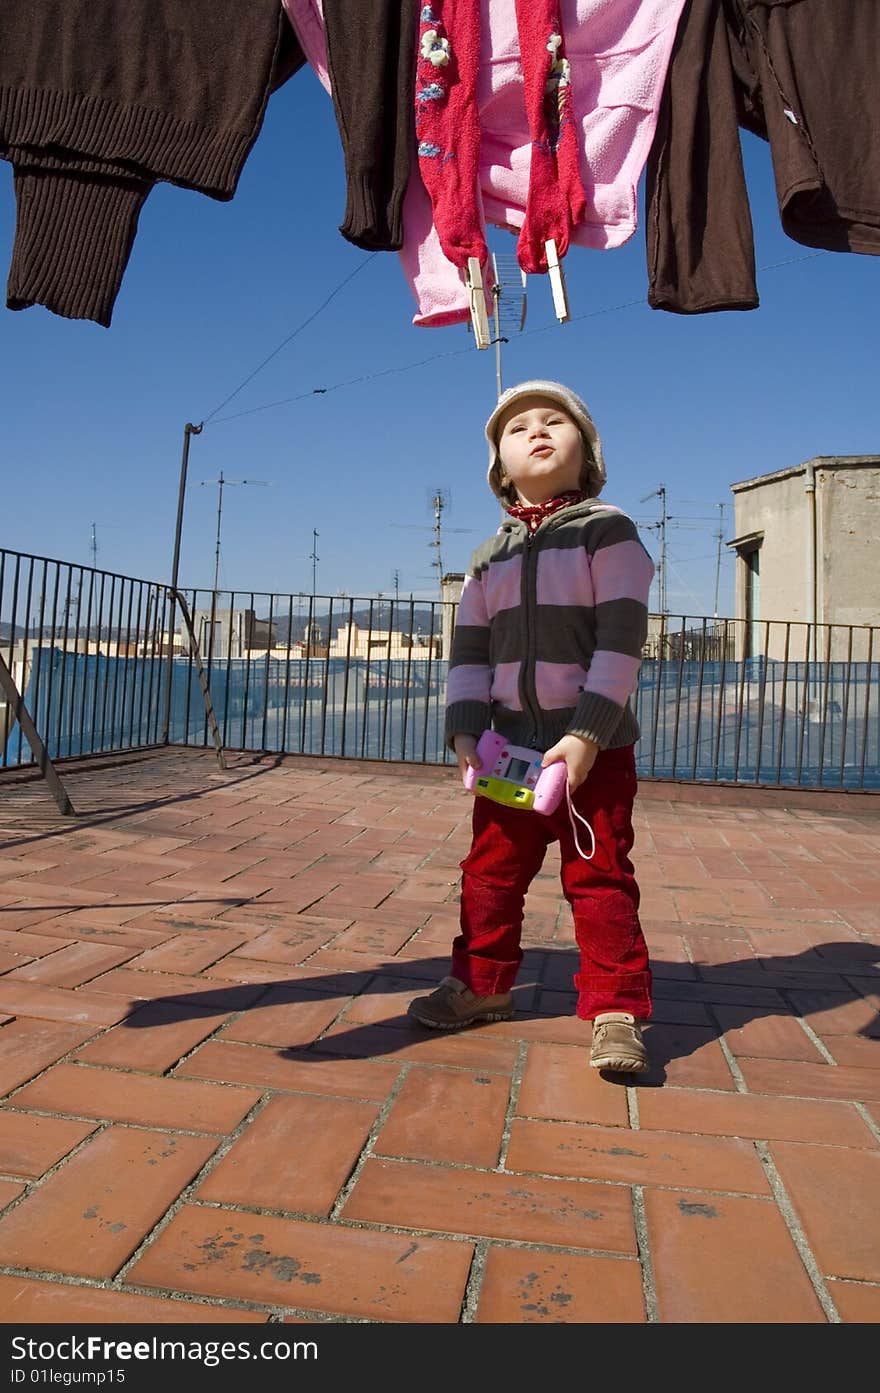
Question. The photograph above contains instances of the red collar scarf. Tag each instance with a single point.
(534, 514)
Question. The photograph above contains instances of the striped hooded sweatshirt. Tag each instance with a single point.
(550, 629)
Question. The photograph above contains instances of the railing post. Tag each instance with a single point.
(188, 430)
(34, 739)
(203, 680)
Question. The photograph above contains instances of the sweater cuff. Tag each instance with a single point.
(595, 718)
(73, 238)
(367, 224)
(467, 718)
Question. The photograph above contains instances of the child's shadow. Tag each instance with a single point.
(735, 994)
(824, 978)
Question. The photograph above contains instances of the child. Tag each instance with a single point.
(546, 650)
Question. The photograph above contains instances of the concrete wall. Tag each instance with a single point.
(847, 576)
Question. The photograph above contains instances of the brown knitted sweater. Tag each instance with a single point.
(100, 99)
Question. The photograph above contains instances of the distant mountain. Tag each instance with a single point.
(403, 619)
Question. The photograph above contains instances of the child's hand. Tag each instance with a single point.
(579, 755)
(466, 753)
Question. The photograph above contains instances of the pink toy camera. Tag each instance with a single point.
(512, 774)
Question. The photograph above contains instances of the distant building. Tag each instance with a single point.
(451, 585)
(231, 633)
(353, 642)
(806, 547)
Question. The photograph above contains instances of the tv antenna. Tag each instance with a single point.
(509, 303)
(661, 526)
(314, 558)
(223, 483)
(439, 500)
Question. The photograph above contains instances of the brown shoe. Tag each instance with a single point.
(453, 1005)
(618, 1044)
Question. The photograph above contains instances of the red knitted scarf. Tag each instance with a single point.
(534, 514)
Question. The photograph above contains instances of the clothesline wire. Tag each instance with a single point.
(435, 357)
(298, 330)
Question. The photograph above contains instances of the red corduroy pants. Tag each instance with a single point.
(508, 850)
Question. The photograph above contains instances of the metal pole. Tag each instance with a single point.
(315, 558)
(32, 736)
(662, 492)
(496, 296)
(718, 558)
(188, 430)
(221, 482)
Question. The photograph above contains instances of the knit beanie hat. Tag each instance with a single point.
(572, 405)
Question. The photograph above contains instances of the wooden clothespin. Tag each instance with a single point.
(557, 282)
(477, 300)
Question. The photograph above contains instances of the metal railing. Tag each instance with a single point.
(102, 665)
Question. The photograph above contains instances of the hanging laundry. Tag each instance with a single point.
(555, 202)
(802, 74)
(447, 126)
(448, 130)
(101, 99)
(364, 54)
(618, 51)
(371, 62)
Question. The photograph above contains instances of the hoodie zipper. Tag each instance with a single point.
(528, 693)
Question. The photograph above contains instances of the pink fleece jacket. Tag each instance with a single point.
(619, 52)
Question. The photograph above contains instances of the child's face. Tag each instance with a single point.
(541, 449)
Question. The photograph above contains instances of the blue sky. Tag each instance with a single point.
(93, 418)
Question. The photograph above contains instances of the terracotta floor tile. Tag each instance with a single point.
(205, 992)
(637, 1158)
(295, 1155)
(377, 939)
(92, 1214)
(31, 945)
(441, 1115)
(282, 1069)
(292, 945)
(675, 1012)
(766, 1037)
(85, 927)
(719, 993)
(9, 1190)
(834, 1191)
(834, 1013)
(783, 902)
(685, 1056)
(558, 1083)
(190, 952)
(28, 1046)
(703, 1250)
(29, 1145)
(550, 1026)
(153, 1037)
(281, 1019)
(493, 1205)
(862, 1052)
(70, 966)
(385, 1001)
(754, 1115)
(479, 1048)
(24, 1301)
(810, 1080)
(321, 1267)
(239, 968)
(58, 1004)
(856, 1303)
(114, 1096)
(526, 1287)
